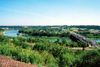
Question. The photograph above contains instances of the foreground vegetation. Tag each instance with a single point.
(46, 53)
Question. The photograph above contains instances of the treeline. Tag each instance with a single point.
(45, 32)
(36, 27)
(90, 34)
(12, 27)
(54, 27)
(46, 53)
(44, 27)
(85, 26)
(64, 26)
(1, 29)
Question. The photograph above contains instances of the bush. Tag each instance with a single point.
(66, 60)
(89, 59)
(57, 50)
(41, 46)
(48, 59)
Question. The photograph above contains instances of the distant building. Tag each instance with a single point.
(4, 28)
(41, 30)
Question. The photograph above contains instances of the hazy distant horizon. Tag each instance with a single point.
(49, 25)
(49, 12)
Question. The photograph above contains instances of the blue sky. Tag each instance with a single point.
(49, 12)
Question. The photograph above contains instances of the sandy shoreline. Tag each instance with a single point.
(4, 33)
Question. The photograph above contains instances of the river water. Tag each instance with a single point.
(13, 33)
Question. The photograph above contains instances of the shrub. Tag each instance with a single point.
(66, 60)
(48, 59)
(90, 59)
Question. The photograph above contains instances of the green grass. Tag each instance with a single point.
(49, 38)
(9, 57)
(83, 29)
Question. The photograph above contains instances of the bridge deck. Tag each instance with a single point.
(84, 39)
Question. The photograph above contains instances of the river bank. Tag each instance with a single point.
(13, 33)
(4, 33)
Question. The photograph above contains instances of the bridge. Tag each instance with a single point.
(76, 37)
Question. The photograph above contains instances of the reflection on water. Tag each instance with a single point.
(13, 33)
(97, 40)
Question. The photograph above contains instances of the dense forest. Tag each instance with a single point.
(46, 53)
(61, 31)
(45, 32)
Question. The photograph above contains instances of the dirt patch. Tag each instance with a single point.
(80, 48)
(30, 43)
(7, 62)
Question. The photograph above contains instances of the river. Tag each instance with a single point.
(13, 33)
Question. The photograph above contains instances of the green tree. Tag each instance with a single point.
(64, 41)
